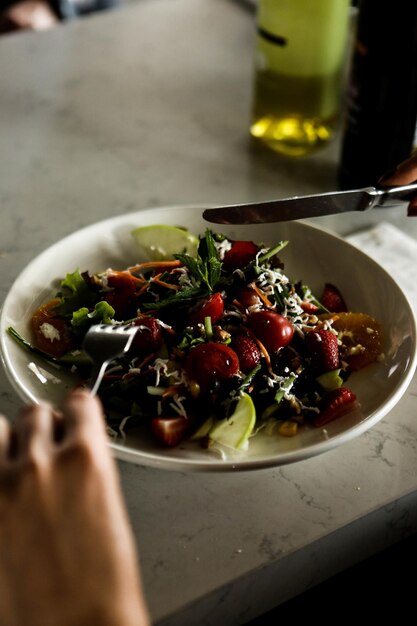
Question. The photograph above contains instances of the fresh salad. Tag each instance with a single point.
(226, 343)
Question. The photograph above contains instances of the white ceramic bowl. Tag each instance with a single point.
(313, 256)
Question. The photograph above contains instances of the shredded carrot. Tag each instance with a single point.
(172, 390)
(262, 296)
(149, 264)
(162, 283)
(327, 317)
(141, 365)
(137, 279)
(142, 289)
(146, 360)
(238, 304)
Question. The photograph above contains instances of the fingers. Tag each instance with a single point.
(40, 431)
(83, 416)
(412, 208)
(30, 15)
(5, 439)
(404, 174)
(34, 431)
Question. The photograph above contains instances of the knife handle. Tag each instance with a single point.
(390, 196)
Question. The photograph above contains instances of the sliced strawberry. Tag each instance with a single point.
(170, 430)
(247, 351)
(240, 254)
(323, 349)
(332, 299)
(337, 403)
(149, 336)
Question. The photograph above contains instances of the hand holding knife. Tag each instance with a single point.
(394, 188)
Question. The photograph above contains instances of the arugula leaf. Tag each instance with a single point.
(280, 296)
(71, 358)
(178, 299)
(229, 403)
(188, 341)
(74, 295)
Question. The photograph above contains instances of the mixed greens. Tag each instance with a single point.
(224, 338)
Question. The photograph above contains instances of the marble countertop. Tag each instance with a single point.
(149, 106)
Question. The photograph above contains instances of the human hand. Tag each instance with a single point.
(404, 174)
(27, 15)
(67, 554)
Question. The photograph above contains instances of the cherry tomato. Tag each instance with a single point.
(212, 307)
(122, 295)
(248, 297)
(170, 430)
(240, 254)
(149, 336)
(272, 329)
(208, 362)
(52, 334)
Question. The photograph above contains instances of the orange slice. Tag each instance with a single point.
(360, 336)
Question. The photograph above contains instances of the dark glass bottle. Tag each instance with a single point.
(382, 95)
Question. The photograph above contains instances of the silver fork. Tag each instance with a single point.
(103, 343)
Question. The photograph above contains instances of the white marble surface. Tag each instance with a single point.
(149, 106)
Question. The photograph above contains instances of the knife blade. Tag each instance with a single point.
(299, 207)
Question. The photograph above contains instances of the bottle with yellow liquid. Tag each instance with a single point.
(300, 57)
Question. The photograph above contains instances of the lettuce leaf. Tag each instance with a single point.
(75, 294)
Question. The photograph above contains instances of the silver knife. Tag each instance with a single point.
(300, 207)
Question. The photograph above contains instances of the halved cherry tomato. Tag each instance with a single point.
(248, 297)
(170, 430)
(212, 307)
(52, 334)
(240, 254)
(149, 336)
(208, 362)
(273, 330)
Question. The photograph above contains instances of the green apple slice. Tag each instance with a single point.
(159, 242)
(235, 431)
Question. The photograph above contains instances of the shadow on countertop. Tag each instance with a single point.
(379, 587)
